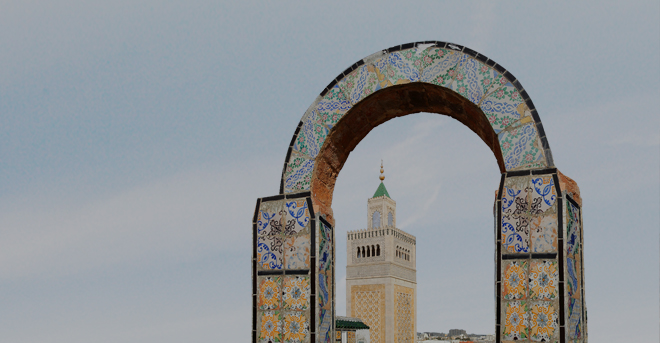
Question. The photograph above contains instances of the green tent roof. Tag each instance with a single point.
(347, 323)
(381, 191)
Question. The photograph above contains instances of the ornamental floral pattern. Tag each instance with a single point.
(270, 218)
(325, 330)
(295, 328)
(520, 146)
(543, 194)
(544, 233)
(515, 215)
(295, 292)
(404, 66)
(515, 321)
(269, 293)
(311, 135)
(543, 280)
(325, 248)
(574, 326)
(269, 252)
(359, 83)
(543, 321)
(296, 252)
(297, 215)
(270, 327)
(514, 280)
(439, 66)
(503, 106)
(298, 173)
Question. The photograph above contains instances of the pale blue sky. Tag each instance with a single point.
(135, 138)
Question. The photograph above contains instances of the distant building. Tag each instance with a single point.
(381, 279)
(456, 332)
(351, 330)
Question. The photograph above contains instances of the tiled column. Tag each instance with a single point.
(292, 272)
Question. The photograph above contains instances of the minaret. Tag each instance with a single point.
(381, 283)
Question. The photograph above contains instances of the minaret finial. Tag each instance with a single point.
(382, 177)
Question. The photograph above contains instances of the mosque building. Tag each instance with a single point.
(381, 281)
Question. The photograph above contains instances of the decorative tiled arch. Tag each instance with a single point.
(500, 96)
(539, 279)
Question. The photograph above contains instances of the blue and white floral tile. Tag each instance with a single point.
(515, 234)
(360, 83)
(269, 252)
(437, 64)
(404, 66)
(312, 135)
(544, 194)
(298, 173)
(515, 196)
(297, 215)
(503, 106)
(332, 106)
(296, 252)
(271, 218)
(520, 146)
(544, 233)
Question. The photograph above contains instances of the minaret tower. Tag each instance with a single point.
(381, 282)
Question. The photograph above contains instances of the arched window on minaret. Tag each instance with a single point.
(377, 249)
(375, 219)
(368, 251)
(358, 253)
(373, 250)
(390, 219)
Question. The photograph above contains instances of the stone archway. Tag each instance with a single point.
(538, 238)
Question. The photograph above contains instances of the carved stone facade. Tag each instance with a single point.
(381, 281)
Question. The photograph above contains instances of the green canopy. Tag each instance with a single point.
(349, 324)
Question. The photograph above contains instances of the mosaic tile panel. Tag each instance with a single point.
(269, 252)
(574, 323)
(298, 174)
(296, 252)
(295, 292)
(324, 291)
(514, 280)
(544, 194)
(543, 280)
(381, 70)
(544, 321)
(325, 329)
(297, 215)
(515, 326)
(270, 326)
(295, 328)
(311, 135)
(515, 196)
(544, 233)
(520, 147)
(503, 106)
(437, 64)
(332, 107)
(270, 218)
(270, 290)
(404, 66)
(360, 83)
(473, 80)
(325, 248)
(572, 230)
(573, 279)
(515, 234)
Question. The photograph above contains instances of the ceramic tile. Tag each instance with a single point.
(544, 233)
(312, 135)
(520, 146)
(381, 69)
(360, 83)
(544, 321)
(404, 66)
(325, 328)
(572, 230)
(515, 320)
(324, 289)
(295, 327)
(298, 174)
(515, 196)
(503, 106)
(332, 107)
(438, 63)
(473, 80)
(514, 280)
(574, 323)
(270, 291)
(297, 216)
(270, 218)
(543, 280)
(573, 272)
(295, 292)
(543, 194)
(269, 252)
(296, 252)
(325, 248)
(270, 326)
(515, 234)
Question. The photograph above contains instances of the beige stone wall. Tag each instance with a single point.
(404, 314)
(368, 304)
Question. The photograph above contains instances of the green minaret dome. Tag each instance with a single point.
(381, 191)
